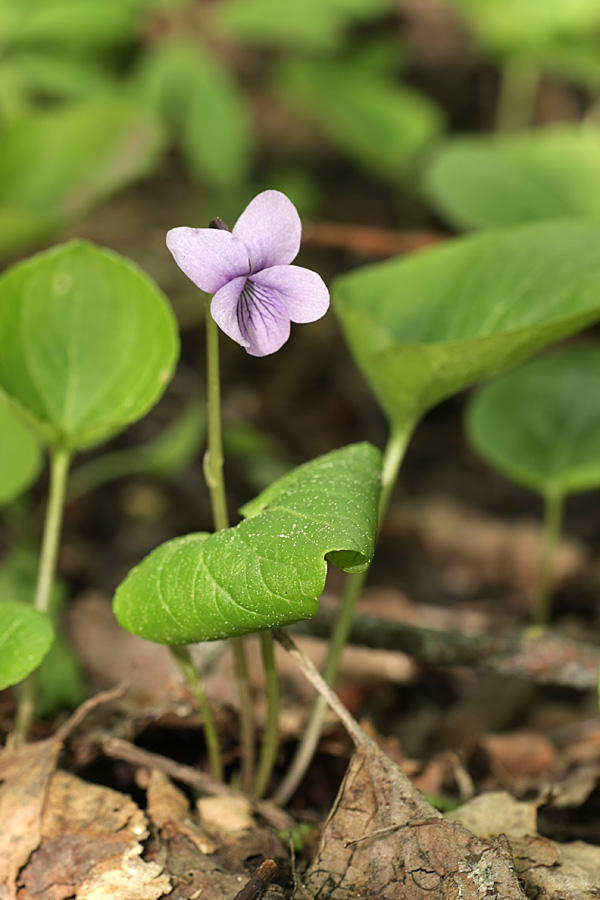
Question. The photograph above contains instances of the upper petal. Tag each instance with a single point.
(270, 228)
(209, 256)
(304, 292)
(224, 310)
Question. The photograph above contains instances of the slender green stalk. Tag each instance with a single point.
(59, 467)
(182, 657)
(213, 459)
(553, 517)
(213, 472)
(519, 84)
(271, 737)
(392, 460)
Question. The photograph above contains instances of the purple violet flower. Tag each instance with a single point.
(257, 293)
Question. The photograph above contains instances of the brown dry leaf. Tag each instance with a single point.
(229, 815)
(90, 847)
(167, 805)
(504, 552)
(24, 777)
(382, 839)
(549, 871)
(198, 865)
(521, 754)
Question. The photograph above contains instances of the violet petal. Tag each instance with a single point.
(270, 228)
(263, 319)
(304, 292)
(208, 256)
(224, 309)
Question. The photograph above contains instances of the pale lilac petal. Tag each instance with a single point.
(263, 319)
(270, 228)
(224, 309)
(304, 292)
(208, 256)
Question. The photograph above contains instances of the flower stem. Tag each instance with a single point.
(271, 737)
(213, 458)
(553, 516)
(59, 467)
(213, 473)
(182, 657)
(392, 459)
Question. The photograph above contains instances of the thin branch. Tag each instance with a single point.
(116, 748)
(540, 656)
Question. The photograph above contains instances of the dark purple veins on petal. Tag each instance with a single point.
(262, 318)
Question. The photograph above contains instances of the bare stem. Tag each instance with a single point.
(59, 468)
(182, 657)
(271, 737)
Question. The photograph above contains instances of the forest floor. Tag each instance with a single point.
(497, 725)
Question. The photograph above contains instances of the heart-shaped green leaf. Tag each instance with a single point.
(540, 424)
(500, 180)
(87, 342)
(424, 327)
(270, 569)
(20, 456)
(26, 635)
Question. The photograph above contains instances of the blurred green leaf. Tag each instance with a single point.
(56, 165)
(72, 24)
(499, 180)
(61, 681)
(512, 26)
(87, 342)
(423, 327)
(540, 425)
(316, 25)
(20, 455)
(18, 579)
(270, 569)
(25, 637)
(378, 123)
(168, 454)
(204, 107)
(52, 73)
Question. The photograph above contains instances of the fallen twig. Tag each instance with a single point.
(540, 656)
(116, 748)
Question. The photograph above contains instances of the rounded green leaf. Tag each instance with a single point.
(270, 569)
(26, 635)
(426, 326)
(540, 424)
(87, 342)
(20, 456)
(492, 180)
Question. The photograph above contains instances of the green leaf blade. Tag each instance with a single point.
(267, 571)
(424, 327)
(485, 181)
(88, 342)
(26, 635)
(20, 456)
(540, 424)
